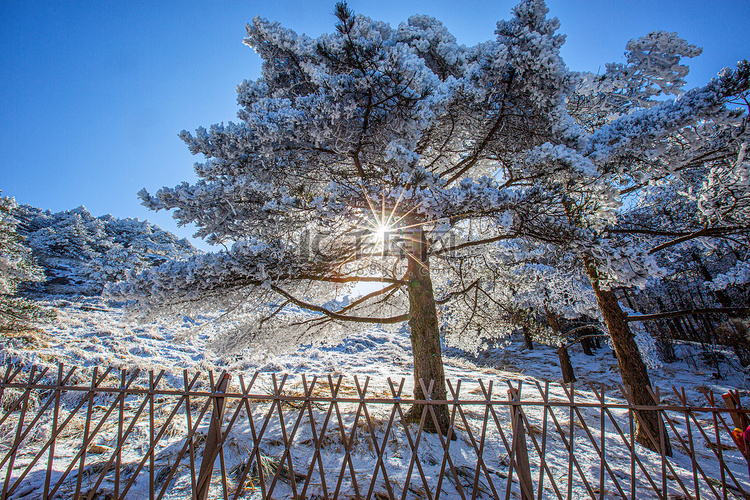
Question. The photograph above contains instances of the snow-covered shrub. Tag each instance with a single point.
(17, 266)
(82, 253)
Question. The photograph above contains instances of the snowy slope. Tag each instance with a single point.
(88, 332)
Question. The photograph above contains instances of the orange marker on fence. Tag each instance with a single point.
(741, 437)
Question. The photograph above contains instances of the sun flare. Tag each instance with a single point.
(382, 231)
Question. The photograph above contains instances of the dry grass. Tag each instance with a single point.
(724, 447)
(12, 400)
(378, 423)
(8, 432)
(267, 467)
(323, 390)
(28, 337)
(177, 427)
(102, 494)
(331, 439)
(533, 430)
(74, 429)
(474, 414)
(565, 425)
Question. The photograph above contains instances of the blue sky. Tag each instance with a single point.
(94, 93)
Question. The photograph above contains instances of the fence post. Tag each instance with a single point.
(732, 402)
(519, 446)
(740, 421)
(213, 439)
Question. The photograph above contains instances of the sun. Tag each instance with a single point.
(382, 231)
(379, 238)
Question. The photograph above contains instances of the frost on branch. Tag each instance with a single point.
(434, 44)
(738, 275)
(652, 69)
(638, 129)
(81, 253)
(17, 267)
(626, 264)
(724, 195)
(653, 66)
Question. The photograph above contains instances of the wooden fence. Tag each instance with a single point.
(130, 434)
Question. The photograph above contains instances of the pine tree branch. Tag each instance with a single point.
(352, 279)
(277, 311)
(716, 231)
(464, 165)
(582, 337)
(697, 234)
(732, 311)
(474, 243)
(369, 296)
(449, 296)
(333, 315)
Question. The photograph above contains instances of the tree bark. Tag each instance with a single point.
(739, 342)
(678, 331)
(425, 338)
(562, 352)
(527, 341)
(566, 366)
(632, 367)
(586, 345)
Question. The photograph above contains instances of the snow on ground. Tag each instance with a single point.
(88, 333)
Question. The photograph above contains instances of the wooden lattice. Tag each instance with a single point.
(131, 434)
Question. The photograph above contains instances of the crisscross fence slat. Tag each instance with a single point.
(116, 434)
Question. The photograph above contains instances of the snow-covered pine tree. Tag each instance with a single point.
(698, 228)
(373, 131)
(364, 138)
(646, 151)
(17, 266)
(81, 253)
(542, 278)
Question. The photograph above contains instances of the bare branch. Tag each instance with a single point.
(352, 279)
(369, 296)
(333, 315)
(697, 234)
(732, 311)
(474, 243)
(450, 296)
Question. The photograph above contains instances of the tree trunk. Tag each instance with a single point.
(566, 366)
(562, 352)
(739, 342)
(629, 300)
(686, 321)
(527, 338)
(679, 332)
(425, 338)
(632, 368)
(586, 344)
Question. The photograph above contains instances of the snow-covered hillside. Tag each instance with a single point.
(90, 332)
(80, 253)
